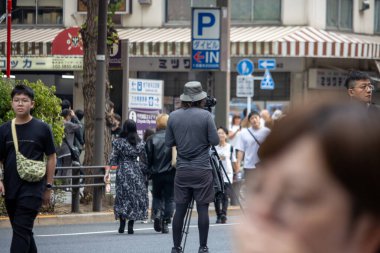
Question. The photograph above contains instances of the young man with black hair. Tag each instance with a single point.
(249, 142)
(23, 199)
(192, 130)
(359, 88)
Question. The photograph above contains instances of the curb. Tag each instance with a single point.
(92, 217)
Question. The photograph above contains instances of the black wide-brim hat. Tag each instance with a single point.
(193, 92)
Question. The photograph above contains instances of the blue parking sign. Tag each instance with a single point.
(205, 38)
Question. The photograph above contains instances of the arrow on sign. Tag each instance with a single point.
(198, 56)
(267, 64)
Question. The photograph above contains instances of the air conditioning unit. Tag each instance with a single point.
(145, 2)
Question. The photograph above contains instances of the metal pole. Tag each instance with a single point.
(100, 98)
(9, 28)
(223, 77)
(125, 69)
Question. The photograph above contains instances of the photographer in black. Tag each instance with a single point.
(193, 131)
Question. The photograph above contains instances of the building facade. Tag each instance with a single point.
(314, 43)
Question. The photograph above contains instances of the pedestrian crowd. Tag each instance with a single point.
(311, 174)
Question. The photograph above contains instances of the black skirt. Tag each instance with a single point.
(193, 183)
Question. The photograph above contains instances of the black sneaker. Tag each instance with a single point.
(203, 249)
(223, 219)
(157, 225)
(164, 226)
(177, 250)
(218, 220)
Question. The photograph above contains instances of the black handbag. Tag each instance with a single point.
(74, 151)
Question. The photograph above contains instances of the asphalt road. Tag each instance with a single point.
(103, 237)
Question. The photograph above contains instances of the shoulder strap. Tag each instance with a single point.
(67, 143)
(231, 152)
(254, 137)
(14, 134)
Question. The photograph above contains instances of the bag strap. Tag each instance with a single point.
(67, 143)
(254, 137)
(14, 134)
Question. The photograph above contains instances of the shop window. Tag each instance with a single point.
(339, 14)
(377, 16)
(242, 11)
(36, 12)
(256, 11)
(180, 10)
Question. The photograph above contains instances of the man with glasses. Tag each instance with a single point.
(359, 87)
(23, 199)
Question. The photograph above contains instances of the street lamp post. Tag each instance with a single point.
(9, 26)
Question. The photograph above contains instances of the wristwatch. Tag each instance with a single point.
(49, 186)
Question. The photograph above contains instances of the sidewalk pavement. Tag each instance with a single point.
(95, 217)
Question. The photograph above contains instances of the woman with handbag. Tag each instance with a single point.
(128, 154)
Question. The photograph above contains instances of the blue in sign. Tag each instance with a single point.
(245, 67)
(267, 64)
(267, 83)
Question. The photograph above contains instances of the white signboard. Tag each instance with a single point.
(244, 86)
(43, 63)
(145, 86)
(145, 94)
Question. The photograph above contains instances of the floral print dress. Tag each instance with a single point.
(131, 201)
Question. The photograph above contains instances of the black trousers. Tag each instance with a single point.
(22, 212)
(221, 200)
(163, 194)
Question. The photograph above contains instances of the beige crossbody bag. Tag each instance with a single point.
(29, 170)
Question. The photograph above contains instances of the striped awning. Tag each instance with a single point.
(29, 41)
(263, 41)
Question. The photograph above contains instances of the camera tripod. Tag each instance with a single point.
(218, 169)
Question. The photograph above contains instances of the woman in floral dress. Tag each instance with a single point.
(128, 153)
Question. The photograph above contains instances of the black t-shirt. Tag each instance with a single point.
(35, 139)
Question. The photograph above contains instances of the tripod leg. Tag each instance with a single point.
(186, 224)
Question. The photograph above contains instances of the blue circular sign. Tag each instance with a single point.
(245, 67)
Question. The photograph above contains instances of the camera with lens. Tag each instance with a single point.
(209, 103)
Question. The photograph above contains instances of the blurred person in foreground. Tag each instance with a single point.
(128, 154)
(159, 158)
(317, 186)
(359, 88)
(193, 131)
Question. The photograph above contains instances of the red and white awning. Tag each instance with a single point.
(302, 42)
(263, 41)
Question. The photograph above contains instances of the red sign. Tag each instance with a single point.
(68, 42)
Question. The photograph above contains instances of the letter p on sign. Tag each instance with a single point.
(206, 23)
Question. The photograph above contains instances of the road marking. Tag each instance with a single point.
(115, 231)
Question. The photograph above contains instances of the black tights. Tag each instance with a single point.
(203, 223)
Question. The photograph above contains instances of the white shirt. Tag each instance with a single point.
(249, 146)
(233, 129)
(225, 152)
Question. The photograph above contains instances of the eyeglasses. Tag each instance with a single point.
(21, 101)
(365, 87)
